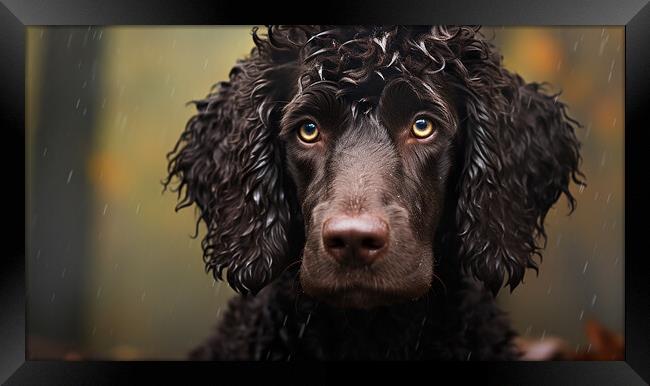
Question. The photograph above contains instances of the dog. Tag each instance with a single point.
(369, 190)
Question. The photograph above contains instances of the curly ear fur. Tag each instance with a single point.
(521, 154)
(229, 162)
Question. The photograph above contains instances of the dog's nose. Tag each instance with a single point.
(355, 240)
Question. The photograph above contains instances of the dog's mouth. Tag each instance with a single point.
(363, 297)
(366, 291)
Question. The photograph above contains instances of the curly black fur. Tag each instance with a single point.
(515, 153)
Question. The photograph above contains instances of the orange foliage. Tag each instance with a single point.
(108, 175)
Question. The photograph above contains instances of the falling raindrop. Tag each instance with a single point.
(611, 70)
(70, 176)
(105, 209)
(99, 292)
(53, 297)
(302, 330)
(137, 209)
(593, 300)
(45, 151)
(582, 313)
(93, 70)
(584, 269)
(603, 43)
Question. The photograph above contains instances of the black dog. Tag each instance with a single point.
(383, 182)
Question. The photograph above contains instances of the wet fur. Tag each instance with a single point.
(511, 153)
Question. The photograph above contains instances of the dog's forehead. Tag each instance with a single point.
(370, 91)
(362, 62)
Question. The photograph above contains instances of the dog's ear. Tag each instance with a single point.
(520, 155)
(230, 163)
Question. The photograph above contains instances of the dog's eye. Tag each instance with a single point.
(308, 132)
(422, 128)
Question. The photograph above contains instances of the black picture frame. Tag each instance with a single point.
(15, 15)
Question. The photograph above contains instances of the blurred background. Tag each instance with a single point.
(112, 272)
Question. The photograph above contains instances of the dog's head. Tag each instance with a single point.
(355, 152)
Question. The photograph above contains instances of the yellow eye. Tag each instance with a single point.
(422, 128)
(308, 132)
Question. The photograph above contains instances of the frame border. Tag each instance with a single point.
(16, 15)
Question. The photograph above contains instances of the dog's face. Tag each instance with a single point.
(351, 152)
(360, 178)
